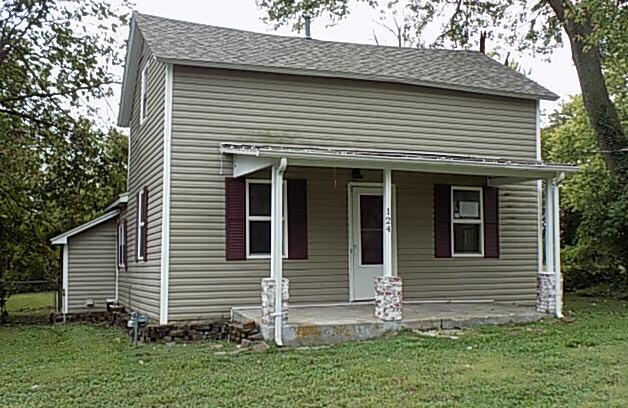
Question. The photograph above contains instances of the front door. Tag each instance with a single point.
(366, 249)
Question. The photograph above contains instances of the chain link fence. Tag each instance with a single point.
(29, 301)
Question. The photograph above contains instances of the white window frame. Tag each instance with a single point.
(479, 221)
(143, 92)
(140, 226)
(121, 245)
(250, 218)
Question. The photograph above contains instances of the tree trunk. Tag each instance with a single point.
(602, 114)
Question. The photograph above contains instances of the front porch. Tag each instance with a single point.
(418, 226)
(337, 323)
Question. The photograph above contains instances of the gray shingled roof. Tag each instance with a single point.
(198, 44)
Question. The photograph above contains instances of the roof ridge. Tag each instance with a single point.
(313, 40)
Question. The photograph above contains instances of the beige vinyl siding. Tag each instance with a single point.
(140, 284)
(212, 106)
(92, 267)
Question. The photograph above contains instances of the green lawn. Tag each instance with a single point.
(578, 364)
(31, 303)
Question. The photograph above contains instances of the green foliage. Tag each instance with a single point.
(593, 207)
(57, 169)
(550, 364)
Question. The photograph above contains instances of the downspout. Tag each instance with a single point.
(65, 278)
(539, 192)
(278, 249)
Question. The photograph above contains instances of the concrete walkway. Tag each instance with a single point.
(321, 324)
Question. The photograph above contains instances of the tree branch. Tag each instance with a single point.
(52, 94)
(25, 116)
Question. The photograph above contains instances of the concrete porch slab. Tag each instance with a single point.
(332, 324)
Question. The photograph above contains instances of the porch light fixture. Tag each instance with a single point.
(356, 174)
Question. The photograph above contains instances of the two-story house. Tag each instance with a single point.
(272, 171)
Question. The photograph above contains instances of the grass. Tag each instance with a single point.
(581, 364)
(31, 303)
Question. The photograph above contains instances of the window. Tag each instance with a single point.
(258, 208)
(466, 221)
(142, 224)
(122, 244)
(143, 89)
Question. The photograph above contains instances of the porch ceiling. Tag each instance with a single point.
(252, 157)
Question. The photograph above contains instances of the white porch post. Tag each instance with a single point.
(388, 288)
(549, 285)
(387, 223)
(549, 226)
(276, 244)
(556, 238)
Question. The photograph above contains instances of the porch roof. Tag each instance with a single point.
(253, 157)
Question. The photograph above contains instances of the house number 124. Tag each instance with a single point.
(388, 220)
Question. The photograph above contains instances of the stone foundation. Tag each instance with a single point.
(546, 293)
(268, 301)
(388, 297)
(215, 329)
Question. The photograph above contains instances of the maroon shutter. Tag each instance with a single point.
(124, 255)
(235, 218)
(145, 232)
(137, 227)
(442, 221)
(297, 219)
(491, 222)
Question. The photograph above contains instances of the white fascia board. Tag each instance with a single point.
(63, 238)
(131, 62)
(121, 200)
(436, 165)
(354, 76)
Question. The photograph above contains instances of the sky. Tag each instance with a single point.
(559, 75)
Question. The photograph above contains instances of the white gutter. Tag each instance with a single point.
(276, 249)
(408, 161)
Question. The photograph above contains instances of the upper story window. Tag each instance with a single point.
(466, 221)
(142, 224)
(143, 91)
(258, 215)
(121, 253)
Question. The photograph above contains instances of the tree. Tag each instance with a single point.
(57, 168)
(594, 212)
(596, 29)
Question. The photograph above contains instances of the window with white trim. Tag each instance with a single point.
(467, 228)
(121, 245)
(141, 225)
(143, 91)
(258, 217)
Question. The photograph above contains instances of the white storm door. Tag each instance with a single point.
(367, 241)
